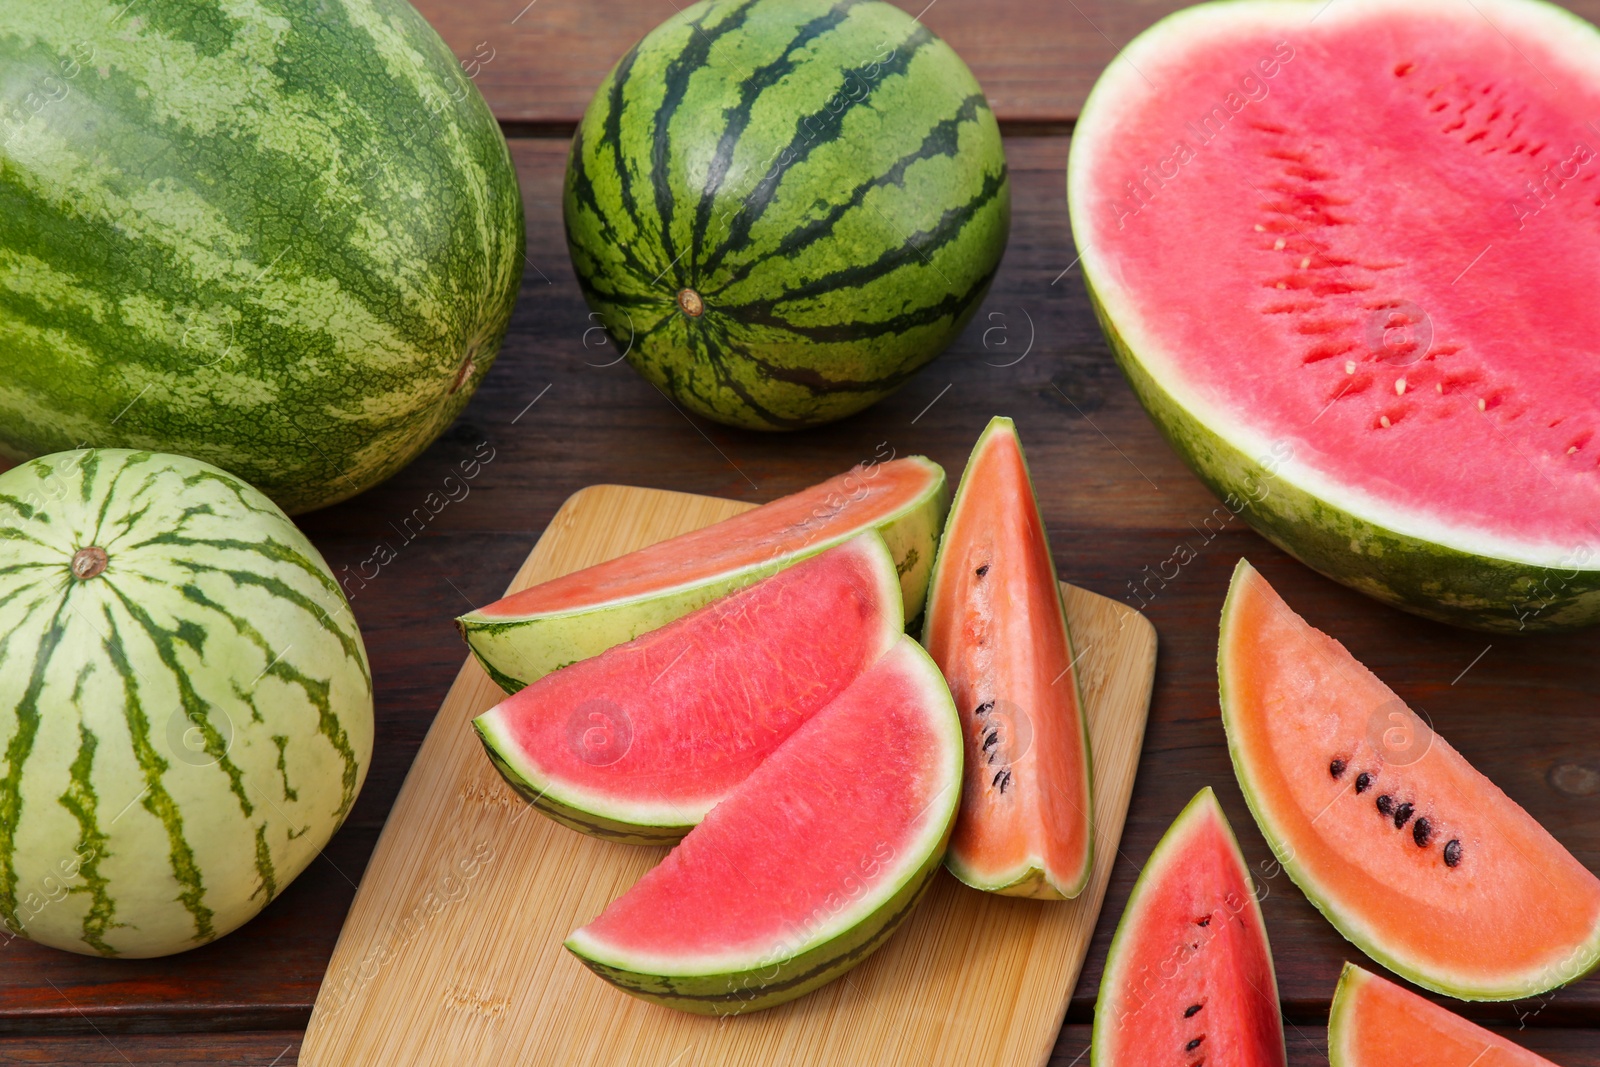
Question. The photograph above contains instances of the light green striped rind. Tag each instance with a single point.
(283, 236)
(1427, 578)
(826, 176)
(519, 650)
(181, 734)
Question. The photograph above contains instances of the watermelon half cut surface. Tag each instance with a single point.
(1189, 977)
(997, 628)
(1346, 255)
(808, 865)
(1421, 861)
(638, 743)
(533, 632)
(1375, 1023)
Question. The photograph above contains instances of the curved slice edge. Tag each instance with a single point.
(1201, 813)
(1375, 1023)
(1578, 961)
(744, 983)
(517, 648)
(591, 811)
(1035, 874)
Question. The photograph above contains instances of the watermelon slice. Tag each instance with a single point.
(808, 865)
(1417, 858)
(1345, 254)
(1375, 1023)
(638, 743)
(529, 634)
(998, 630)
(1189, 977)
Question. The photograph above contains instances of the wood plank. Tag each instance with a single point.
(461, 865)
(265, 1048)
(539, 64)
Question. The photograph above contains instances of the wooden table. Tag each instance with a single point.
(1116, 499)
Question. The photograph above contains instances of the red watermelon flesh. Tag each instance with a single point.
(1367, 234)
(808, 865)
(640, 742)
(1189, 977)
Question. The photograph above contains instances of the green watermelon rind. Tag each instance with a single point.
(1031, 881)
(1167, 851)
(518, 651)
(634, 823)
(1437, 578)
(838, 945)
(1351, 978)
(1583, 958)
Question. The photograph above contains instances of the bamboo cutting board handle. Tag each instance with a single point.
(452, 955)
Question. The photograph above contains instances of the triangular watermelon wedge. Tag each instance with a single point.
(638, 743)
(1416, 857)
(1375, 1023)
(1189, 977)
(807, 866)
(997, 628)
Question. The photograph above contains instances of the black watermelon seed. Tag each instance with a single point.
(1386, 804)
(1336, 768)
(1203, 922)
(1402, 814)
(1005, 780)
(1452, 852)
(1188, 1013)
(985, 708)
(981, 571)
(992, 740)
(1191, 1046)
(1363, 782)
(1421, 831)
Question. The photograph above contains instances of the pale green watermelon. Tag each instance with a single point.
(283, 236)
(185, 702)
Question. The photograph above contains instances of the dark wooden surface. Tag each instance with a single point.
(1116, 500)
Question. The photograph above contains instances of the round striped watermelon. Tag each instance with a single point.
(284, 237)
(185, 703)
(781, 209)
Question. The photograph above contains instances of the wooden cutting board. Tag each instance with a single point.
(452, 952)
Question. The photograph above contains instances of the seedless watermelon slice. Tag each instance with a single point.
(1189, 978)
(1417, 858)
(533, 632)
(1346, 255)
(638, 743)
(1375, 1023)
(808, 866)
(998, 630)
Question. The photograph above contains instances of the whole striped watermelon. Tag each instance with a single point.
(283, 236)
(781, 209)
(185, 704)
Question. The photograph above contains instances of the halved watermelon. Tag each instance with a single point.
(529, 634)
(1413, 855)
(808, 865)
(1345, 254)
(1189, 978)
(638, 743)
(997, 628)
(1375, 1023)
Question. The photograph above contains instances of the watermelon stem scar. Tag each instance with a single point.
(690, 302)
(89, 563)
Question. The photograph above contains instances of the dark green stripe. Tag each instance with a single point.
(817, 128)
(738, 117)
(943, 140)
(157, 801)
(582, 186)
(264, 868)
(81, 801)
(26, 714)
(282, 742)
(612, 138)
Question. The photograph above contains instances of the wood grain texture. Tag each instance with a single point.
(538, 64)
(452, 950)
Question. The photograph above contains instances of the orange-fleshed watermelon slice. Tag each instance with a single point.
(1346, 255)
(638, 743)
(531, 633)
(808, 865)
(1375, 1023)
(1418, 859)
(997, 628)
(1189, 978)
